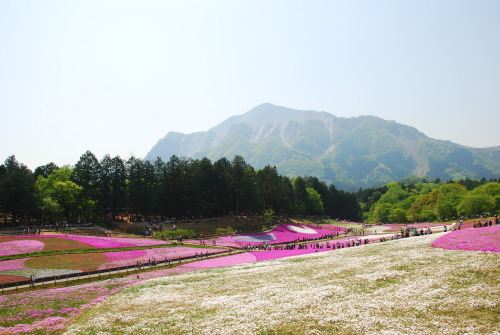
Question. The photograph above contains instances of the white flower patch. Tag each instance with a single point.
(255, 238)
(302, 230)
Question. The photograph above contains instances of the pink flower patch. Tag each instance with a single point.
(126, 258)
(275, 254)
(478, 239)
(117, 256)
(20, 247)
(13, 264)
(112, 242)
(246, 257)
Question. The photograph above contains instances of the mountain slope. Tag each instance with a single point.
(354, 152)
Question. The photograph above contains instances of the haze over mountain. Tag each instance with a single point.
(355, 152)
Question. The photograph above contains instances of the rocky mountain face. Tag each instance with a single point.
(356, 152)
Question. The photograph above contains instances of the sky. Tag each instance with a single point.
(115, 76)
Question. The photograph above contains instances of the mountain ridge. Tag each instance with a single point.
(353, 152)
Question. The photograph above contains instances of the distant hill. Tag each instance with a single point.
(356, 152)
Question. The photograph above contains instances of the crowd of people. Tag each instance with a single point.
(486, 223)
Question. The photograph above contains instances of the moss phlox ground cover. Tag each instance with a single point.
(17, 247)
(125, 258)
(48, 311)
(397, 287)
(479, 239)
(281, 234)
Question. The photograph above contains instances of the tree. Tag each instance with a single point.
(476, 204)
(112, 185)
(314, 203)
(491, 189)
(327, 197)
(86, 174)
(222, 171)
(200, 188)
(397, 215)
(268, 217)
(17, 189)
(141, 185)
(57, 194)
(287, 196)
(268, 184)
(242, 181)
(301, 195)
(382, 212)
(45, 170)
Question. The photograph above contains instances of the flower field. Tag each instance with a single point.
(14, 245)
(10, 245)
(17, 247)
(396, 287)
(282, 234)
(124, 258)
(48, 311)
(479, 239)
(62, 264)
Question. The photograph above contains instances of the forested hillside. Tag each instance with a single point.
(430, 201)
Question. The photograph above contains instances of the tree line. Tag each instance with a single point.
(430, 201)
(96, 190)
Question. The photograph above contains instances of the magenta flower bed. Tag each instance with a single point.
(478, 239)
(256, 256)
(20, 247)
(99, 242)
(13, 264)
(119, 256)
(243, 258)
(113, 242)
(275, 254)
(281, 234)
(126, 258)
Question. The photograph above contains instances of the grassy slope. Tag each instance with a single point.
(396, 287)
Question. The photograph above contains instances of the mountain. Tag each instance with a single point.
(355, 152)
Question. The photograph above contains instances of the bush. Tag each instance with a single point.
(222, 231)
(174, 234)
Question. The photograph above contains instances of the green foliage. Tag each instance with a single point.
(400, 202)
(301, 195)
(476, 204)
(224, 231)
(175, 234)
(185, 187)
(57, 194)
(314, 203)
(269, 217)
(17, 189)
(397, 215)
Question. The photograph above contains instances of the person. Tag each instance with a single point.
(445, 229)
(32, 281)
(459, 224)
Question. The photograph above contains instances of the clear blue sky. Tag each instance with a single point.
(114, 77)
